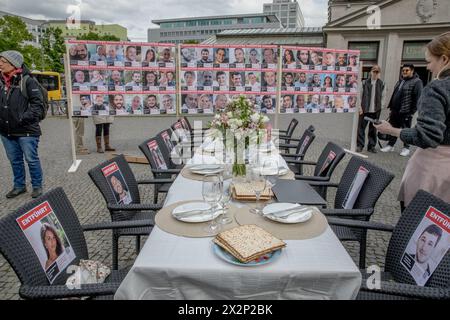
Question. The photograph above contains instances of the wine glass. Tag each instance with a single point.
(258, 183)
(224, 202)
(271, 171)
(212, 192)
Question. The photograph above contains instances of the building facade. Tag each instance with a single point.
(302, 37)
(288, 11)
(87, 26)
(198, 29)
(388, 32)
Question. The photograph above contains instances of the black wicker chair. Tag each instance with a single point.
(168, 141)
(125, 212)
(16, 249)
(328, 160)
(155, 165)
(397, 283)
(187, 125)
(363, 208)
(286, 135)
(294, 160)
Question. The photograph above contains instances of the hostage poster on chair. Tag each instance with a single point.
(117, 183)
(48, 239)
(427, 246)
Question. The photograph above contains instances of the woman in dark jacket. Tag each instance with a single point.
(20, 114)
(428, 168)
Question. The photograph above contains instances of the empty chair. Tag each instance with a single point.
(29, 268)
(376, 181)
(328, 160)
(419, 223)
(294, 160)
(119, 188)
(161, 165)
(286, 135)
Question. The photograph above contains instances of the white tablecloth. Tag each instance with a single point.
(173, 267)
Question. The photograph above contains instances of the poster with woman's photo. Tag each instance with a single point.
(117, 183)
(427, 246)
(149, 56)
(48, 239)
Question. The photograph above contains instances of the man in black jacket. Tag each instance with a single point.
(19, 122)
(403, 104)
(372, 101)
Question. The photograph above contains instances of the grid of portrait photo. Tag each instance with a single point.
(319, 80)
(122, 78)
(211, 76)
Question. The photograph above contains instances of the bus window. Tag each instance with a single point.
(49, 82)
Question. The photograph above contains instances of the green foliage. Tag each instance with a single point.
(13, 32)
(191, 42)
(96, 37)
(53, 47)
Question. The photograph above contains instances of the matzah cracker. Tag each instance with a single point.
(248, 242)
(244, 191)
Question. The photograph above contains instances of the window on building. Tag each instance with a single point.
(414, 50)
(204, 22)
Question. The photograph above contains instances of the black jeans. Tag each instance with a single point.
(102, 127)
(362, 125)
(399, 120)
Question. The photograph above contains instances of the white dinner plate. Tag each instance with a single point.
(205, 169)
(303, 214)
(273, 171)
(185, 212)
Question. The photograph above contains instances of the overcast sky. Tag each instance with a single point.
(136, 15)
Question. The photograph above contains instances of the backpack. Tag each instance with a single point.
(44, 93)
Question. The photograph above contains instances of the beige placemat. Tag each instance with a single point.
(312, 228)
(165, 221)
(188, 174)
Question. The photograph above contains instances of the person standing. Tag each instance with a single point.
(78, 123)
(403, 105)
(372, 101)
(19, 122)
(428, 168)
(102, 124)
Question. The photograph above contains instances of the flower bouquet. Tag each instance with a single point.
(239, 125)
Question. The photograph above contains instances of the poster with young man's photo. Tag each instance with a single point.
(427, 246)
(48, 239)
(157, 156)
(117, 183)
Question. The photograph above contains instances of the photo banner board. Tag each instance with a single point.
(48, 239)
(122, 78)
(213, 75)
(319, 80)
(145, 79)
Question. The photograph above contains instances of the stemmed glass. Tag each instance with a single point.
(271, 171)
(224, 202)
(212, 192)
(258, 184)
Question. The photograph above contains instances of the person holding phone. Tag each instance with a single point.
(372, 101)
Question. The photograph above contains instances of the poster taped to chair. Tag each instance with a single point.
(117, 183)
(48, 239)
(427, 246)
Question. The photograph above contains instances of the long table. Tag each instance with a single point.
(174, 267)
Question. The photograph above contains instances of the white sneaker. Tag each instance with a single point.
(405, 152)
(388, 148)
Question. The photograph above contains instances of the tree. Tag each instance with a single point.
(53, 47)
(96, 37)
(191, 42)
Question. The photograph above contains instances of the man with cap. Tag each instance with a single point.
(372, 101)
(19, 122)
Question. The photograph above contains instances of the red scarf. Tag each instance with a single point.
(8, 77)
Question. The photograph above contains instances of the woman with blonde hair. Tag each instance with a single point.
(428, 168)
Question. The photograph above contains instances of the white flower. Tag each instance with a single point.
(239, 123)
(265, 119)
(217, 116)
(255, 118)
(230, 114)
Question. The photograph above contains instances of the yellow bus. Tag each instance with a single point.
(51, 81)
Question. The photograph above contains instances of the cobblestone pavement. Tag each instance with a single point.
(126, 134)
